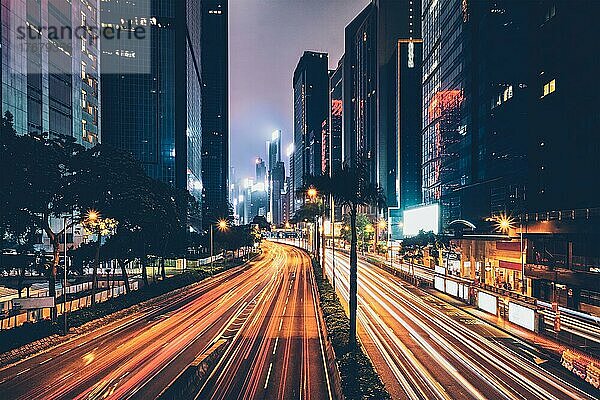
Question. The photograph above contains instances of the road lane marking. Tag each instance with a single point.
(275, 347)
(268, 375)
(45, 361)
(22, 372)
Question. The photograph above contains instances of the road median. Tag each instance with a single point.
(357, 376)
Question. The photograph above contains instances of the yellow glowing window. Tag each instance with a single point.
(549, 87)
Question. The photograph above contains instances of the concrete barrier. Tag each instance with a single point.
(190, 381)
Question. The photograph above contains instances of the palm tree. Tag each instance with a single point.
(351, 189)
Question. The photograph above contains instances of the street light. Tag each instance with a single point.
(504, 223)
(222, 226)
(312, 193)
(93, 223)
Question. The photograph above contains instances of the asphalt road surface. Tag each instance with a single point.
(278, 352)
(271, 299)
(425, 348)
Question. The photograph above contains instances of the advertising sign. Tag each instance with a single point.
(33, 303)
(426, 218)
(521, 315)
(487, 302)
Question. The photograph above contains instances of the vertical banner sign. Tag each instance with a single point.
(411, 54)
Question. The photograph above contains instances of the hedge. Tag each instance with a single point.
(359, 378)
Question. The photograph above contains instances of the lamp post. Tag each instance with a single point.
(222, 227)
(369, 229)
(381, 225)
(94, 223)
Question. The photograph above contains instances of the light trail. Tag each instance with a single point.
(430, 354)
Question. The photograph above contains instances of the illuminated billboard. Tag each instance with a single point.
(426, 218)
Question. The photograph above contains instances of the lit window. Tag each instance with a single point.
(83, 70)
(83, 99)
(549, 87)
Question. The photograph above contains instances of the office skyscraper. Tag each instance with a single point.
(51, 86)
(382, 97)
(335, 123)
(310, 86)
(151, 88)
(276, 178)
(215, 112)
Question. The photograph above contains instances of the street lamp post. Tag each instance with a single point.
(221, 226)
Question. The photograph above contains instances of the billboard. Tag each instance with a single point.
(521, 315)
(487, 302)
(425, 218)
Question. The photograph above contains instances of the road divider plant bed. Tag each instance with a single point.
(359, 378)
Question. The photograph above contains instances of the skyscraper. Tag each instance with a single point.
(215, 112)
(382, 97)
(151, 88)
(276, 178)
(52, 85)
(447, 151)
(335, 123)
(310, 86)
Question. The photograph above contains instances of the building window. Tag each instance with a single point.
(83, 99)
(83, 71)
(549, 87)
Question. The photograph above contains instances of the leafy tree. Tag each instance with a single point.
(36, 185)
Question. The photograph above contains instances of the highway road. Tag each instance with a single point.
(425, 348)
(137, 357)
(278, 353)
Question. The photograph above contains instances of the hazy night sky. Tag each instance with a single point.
(266, 40)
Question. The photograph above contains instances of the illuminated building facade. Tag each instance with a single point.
(215, 112)
(51, 84)
(310, 86)
(447, 140)
(335, 122)
(382, 97)
(276, 178)
(151, 88)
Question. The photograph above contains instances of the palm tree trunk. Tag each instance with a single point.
(163, 273)
(323, 244)
(353, 280)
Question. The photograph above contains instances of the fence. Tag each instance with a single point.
(70, 306)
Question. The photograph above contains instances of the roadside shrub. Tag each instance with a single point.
(359, 378)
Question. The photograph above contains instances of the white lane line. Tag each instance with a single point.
(268, 375)
(275, 347)
(22, 372)
(45, 361)
(280, 323)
